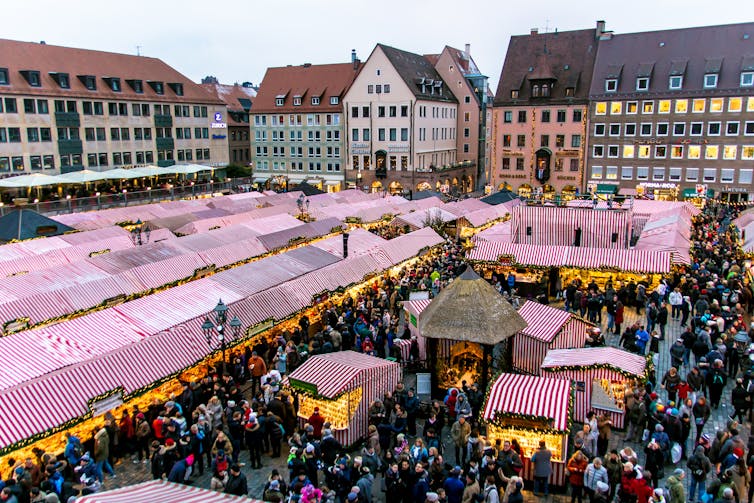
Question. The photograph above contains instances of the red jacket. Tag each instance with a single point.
(643, 490)
(317, 421)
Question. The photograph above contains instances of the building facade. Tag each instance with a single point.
(401, 124)
(540, 113)
(297, 126)
(238, 100)
(67, 109)
(672, 113)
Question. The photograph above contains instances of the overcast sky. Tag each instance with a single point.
(237, 40)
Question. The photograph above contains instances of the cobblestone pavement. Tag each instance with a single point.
(129, 473)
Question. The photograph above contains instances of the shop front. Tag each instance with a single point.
(568, 193)
(525, 190)
(665, 191)
(698, 195)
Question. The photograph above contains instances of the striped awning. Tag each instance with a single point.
(416, 306)
(530, 396)
(160, 491)
(331, 374)
(544, 322)
(587, 357)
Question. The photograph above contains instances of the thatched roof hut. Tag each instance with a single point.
(470, 309)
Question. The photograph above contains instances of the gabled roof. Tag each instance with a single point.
(52, 60)
(419, 74)
(690, 52)
(238, 99)
(569, 60)
(304, 81)
(28, 224)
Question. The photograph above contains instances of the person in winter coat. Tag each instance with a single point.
(740, 400)
(102, 453)
(253, 437)
(460, 432)
(670, 383)
(741, 478)
(614, 468)
(542, 461)
(675, 485)
(700, 466)
(655, 462)
(471, 490)
(716, 381)
(237, 483)
(576, 467)
(594, 473)
(702, 412)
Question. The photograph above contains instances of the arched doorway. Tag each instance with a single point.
(395, 188)
(542, 165)
(380, 165)
(568, 193)
(425, 186)
(504, 186)
(548, 192)
(376, 186)
(468, 185)
(524, 190)
(438, 185)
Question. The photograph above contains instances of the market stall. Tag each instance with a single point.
(161, 491)
(547, 328)
(530, 409)
(602, 376)
(342, 385)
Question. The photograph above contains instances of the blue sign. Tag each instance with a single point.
(218, 117)
(218, 136)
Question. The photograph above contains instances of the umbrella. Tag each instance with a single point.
(120, 174)
(28, 181)
(147, 171)
(84, 176)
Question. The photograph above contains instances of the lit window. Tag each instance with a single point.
(616, 107)
(644, 151)
(632, 107)
(695, 151)
(676, 152)
(647, 107)
(697, 106)
(661, 151)
(681, 106)
(642, 83)
(628, 151)
(747, 79)
(663, 107)
(735, 104)
(730, 152)
(611, 85)
(710, 81)
(600, 108)
(675, 82)
(750, 104)
(716, 105)
(711, 152)
(747, 153)
(611, 173)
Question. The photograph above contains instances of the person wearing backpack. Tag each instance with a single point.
(700, 466)
(716, 380)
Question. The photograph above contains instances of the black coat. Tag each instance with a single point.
(237, 485)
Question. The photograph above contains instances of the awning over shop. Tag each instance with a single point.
(260, 179)
(691, 193)
(605, 188)
(159, 491)
(332, 183)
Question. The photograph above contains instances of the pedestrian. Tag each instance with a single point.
(542, 461)
(237, 483)
(670, 382)
(460, 432)
(593, 474)
(716, 380)
(700, 466)
(741, 401)
(576, 467)
(675, 486)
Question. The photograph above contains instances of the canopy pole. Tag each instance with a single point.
(432, 365)
(486, 356)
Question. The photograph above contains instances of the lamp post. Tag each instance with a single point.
(216, 329)
(68, 202)
(125, 197)
(140, 233)
(99, 200)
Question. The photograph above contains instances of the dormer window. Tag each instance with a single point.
(89, 81)
(177, 88)
(569, 92)
(136, 85)
(4, 76)
(32, 77)
(535, 91)
(280, 101)
(747, 79)
(297, 101)
(611, 85)
(710, 81)
(334, 100)
(113, 83)
(675, 82)
(315, 100)
(545, 90)
(514, 94)
(157, 87)
(642, 84)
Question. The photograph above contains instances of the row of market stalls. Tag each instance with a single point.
(162, 491)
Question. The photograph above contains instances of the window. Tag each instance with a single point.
(642, 83)
(735, 104)
(466, 132)
(521, 140)
(745, 176)
(647, 107)
(675, 82)
(32, 134)
(646, 129)
(544, 140)
(42, 107)
(561, 116)
(716, 105)
(45, 134)
(30, 106)
(695, 152)
(559, 164)
(711, 151)
(632, 107)
(507, 117)
(663, 106)
(370, 88)
(392, 111)
(612, 151)
(600, 108)
(662, 129)
(334, 100)
(519, 164)
(731, 128)
(365, 112)
(616, 107)
(381, 134)
(596, 172)
(506, 163)
(514, 94)
(380, 111)
(681, 106)
(749, 128)
(404, 134)
(4, 77)
(386, 89)
(710, 174)
(598, 151)
(614, 129)
(644, 151)
(573, 164)
(575, 141)
(710, 81)
(658, 174)
(297, 101)
(747, 79)
(577, 115)
(365, 134)
(628, 151)
(674, 175)
(611, 85)
(629, 130)
(404, 110)
(698, 105)
(545, 116)
(378, 88)
(692, 174)
(679, 128)
(10, 105)
(627, 173)
(17, 163)
(696, 128)
(747, 152)
(393, 134)
(713, 128)
(642, 173)
(676, 152)
(599, 130)
(315, 100)
(14, 135)
(611, 172)
(730, 152)
(522, 116)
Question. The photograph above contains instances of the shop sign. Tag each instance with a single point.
(412, 318)
(303, 386)
(735, 189)
(506, 259)
(259, 328)
(113, 401)
(219, 136)
(218, 122)
(658, 185)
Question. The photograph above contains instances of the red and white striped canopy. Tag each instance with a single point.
(530, 396)
(544, 322)
(416, 306)
(160, 491)
(334, 373)
(587, 357)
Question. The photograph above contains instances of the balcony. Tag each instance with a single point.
(165, 143)
(163, 120)
(165, 163)
(67, 119)
(71, 169)
(66, 147)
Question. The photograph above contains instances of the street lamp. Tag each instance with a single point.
(216, 329)
(125, 197)
(140, 233)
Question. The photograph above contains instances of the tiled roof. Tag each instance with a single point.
(416, 69)
(690, 52)
(304, 81)
(238, 99)
(50, 60)
(569, 60)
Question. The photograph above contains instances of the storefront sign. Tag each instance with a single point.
(219, 136)
(506, 259)
(412, 318)
(701, 189)
(113, 401)
(218, 122)
(304, 386)
(734, 189)
(658, 185)
(259, 328)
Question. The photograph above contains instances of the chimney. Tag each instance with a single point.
(345, 245)
(467, 50)
(356, 63)
(600, 28)
(534, 31)
(307, 65)
(353, 55)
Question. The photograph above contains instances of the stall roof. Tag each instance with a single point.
(619, 359)
(161, 491)
(321, 371)
(543, 322)
(481, 216)
(497, 233)
(530, 396)
(416, 306)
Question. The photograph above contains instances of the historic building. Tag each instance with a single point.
(298, 128)
(540, 113)
(65, 109)
(401, 119)
(238, 99)
(672, 113)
